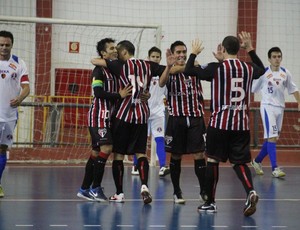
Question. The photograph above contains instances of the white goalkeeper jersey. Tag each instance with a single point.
(13, 73)
(156, 101)
(272, 85)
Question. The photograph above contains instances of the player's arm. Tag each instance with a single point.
(297, 97)
(203, 72)
(25, 90)
(98, 79)
(164, 77)
(99, 62)
(246, 44)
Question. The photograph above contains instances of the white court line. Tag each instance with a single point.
(24, 225)
(125, 225)
(90, 225)
(279, 226)
(157, 226)
(58, 225)
(189, 226)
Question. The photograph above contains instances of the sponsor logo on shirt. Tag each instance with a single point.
(13, 66)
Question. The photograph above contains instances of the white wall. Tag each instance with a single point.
(278, 25)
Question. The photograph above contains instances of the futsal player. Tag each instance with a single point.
(272, 86)
(228, 134)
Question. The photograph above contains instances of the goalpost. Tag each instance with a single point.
(52, 120)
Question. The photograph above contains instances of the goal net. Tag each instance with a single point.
(52, 122)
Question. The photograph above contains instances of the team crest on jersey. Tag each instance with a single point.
(188, 82)
(159, 129)
(14, 76)
(168, 139)
(3, 75)
(270, 83)
(102, 132)
(13, 66)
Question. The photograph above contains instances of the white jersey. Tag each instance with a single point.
(272, 85)
(156, 101)
(13, 73)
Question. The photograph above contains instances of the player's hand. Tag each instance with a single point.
(126, 91)
(246, 42)
(197, 46)
(15, 102)
(170, 58)
(219, 54)
(145, 95)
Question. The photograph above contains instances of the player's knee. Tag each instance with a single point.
(199, 156)
(211, 160)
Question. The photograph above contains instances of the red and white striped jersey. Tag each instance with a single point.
(231, 83)
(137, 73)
(230, 92)
(184, 96)
(105, 90)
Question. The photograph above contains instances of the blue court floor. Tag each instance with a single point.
(44, 197)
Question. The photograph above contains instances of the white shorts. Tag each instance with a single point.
(156, 127)
(272, 118)
(6, 133)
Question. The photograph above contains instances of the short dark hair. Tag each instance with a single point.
(7, 34)
(177, 43)
(154, 49)
(231, 44)
(274, 49)
(127, 45)
(101, 45)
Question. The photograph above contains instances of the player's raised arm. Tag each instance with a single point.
(170, 62)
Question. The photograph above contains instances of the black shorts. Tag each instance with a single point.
(100, 136)
(223, 145)
(129, 138)
(185, 135)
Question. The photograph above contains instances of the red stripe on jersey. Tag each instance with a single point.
(24, 79)
(138, 74)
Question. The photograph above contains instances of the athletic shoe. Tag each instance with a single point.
(1, 192)
(147, 198)
(85, 194)
(257, 167)
(278, 173)
(119, 198)
(98, 194)
(250, 205)
(178, 199)
(134, 171)
(208, 207)
(203, 196)
(164, 171)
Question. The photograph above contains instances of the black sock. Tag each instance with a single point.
(211, 180)
(118, 172)
(88, 175)
(175, 170)
(143, 167)
(98, 171)
(244, 174)
(200, 168)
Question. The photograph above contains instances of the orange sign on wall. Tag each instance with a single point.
(74, 47)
